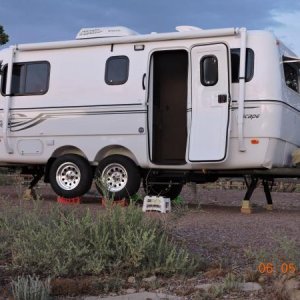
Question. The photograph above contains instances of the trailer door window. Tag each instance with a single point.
(235, 64)
(209, 70)
(116, 70)
(30, 78)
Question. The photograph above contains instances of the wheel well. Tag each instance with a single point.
(115, 149)
(59, 152)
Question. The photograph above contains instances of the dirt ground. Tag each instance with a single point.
(214, 228)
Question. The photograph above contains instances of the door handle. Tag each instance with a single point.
(143, 81)
(222, 98)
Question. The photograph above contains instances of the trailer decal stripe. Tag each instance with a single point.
(78, 106)
(19, 122)
(274, 101)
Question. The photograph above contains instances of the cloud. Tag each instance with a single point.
(287, 28)
(48, 20)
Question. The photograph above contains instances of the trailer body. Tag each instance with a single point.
(189, 102)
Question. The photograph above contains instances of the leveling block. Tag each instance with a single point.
(246, 207)
(156, 203)
(63, 200)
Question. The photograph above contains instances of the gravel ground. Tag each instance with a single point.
(218, 231)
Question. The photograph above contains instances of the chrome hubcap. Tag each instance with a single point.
(68, 176)
(115, 176)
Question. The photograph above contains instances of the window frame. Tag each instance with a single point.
(202, 70)
(111, 58)
(25, 78)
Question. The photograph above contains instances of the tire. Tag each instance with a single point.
(166, 190)
(119, 175)
(70, 176)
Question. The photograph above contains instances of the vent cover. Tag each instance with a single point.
(104, 32)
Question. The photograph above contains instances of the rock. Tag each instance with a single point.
(203, 286)
(130, 291)
(150, 279)
(292, 287)
(261, 279)
(192, 279)
(288, 286)
(250, 287)
(131, 279)
(137, 296)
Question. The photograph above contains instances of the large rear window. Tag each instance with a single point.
(30, 78)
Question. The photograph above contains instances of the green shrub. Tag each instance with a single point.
(62, 242)
(30, 288)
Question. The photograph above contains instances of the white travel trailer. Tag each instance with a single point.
(166, 108)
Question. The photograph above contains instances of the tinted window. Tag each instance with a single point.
(18, 79)
(116, 70)
(28, 79)
(235, 64)
(209, 70)
(3, 79)
(36, 78)
(291, 74)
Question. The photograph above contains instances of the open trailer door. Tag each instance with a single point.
(209, 130)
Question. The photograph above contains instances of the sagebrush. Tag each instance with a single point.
(64, 242)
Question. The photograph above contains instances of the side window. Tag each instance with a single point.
(235, 64)
(209, 70)
(116, 70)
(30, 78)
(291, 74)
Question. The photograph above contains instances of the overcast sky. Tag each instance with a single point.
(28, 21)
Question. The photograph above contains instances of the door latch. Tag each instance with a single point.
(222, 98)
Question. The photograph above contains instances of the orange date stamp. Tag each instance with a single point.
(269, 268)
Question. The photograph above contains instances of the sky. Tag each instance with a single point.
(30, 21)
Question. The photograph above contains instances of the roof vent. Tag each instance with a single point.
(104, 32)
(185, 28)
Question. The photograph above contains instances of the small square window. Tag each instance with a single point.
(116, 70)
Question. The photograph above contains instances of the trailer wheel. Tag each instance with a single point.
(118, 176)
(165, 190)
(70, 176)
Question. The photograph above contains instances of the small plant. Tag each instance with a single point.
(102, 186)
(136, 199)
(216, 291)
(30, 288)
(231, 283)
(178, 200)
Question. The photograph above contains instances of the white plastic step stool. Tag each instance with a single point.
(156, 203)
